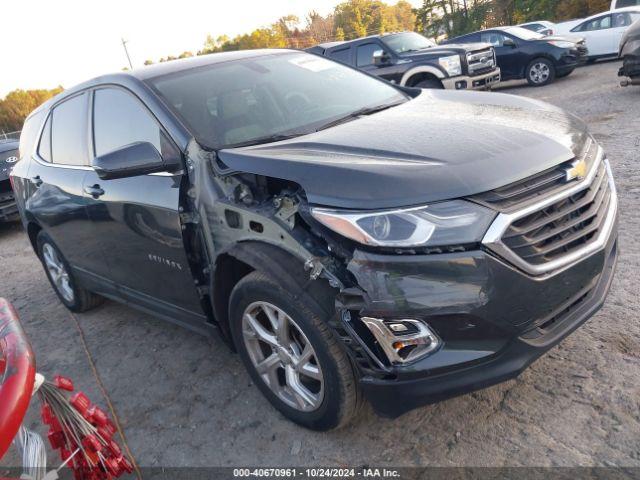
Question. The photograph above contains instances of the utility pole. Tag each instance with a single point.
(124, 45)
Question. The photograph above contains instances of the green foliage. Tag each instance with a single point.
(15, 107)
(440, 18)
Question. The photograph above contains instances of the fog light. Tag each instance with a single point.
(402, 341)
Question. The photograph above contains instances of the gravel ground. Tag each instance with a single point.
(184, 400)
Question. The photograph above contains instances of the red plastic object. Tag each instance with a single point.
(81, 403)
(63, 383)
(18, 370)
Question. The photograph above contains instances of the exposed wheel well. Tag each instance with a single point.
(419, 77)
(229, 271)
(32, 231)
(285, 268)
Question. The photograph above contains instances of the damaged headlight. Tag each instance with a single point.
(454, 222)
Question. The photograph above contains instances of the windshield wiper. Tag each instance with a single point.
(358, 113)
(277, 137)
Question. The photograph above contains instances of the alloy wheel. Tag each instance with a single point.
(283, 356)
(539, 72)
(57, 272)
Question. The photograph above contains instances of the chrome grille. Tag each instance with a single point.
(561, 225)
(481, 61)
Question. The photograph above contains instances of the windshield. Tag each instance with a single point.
(407, 42)
(260, 98)
(523, 33)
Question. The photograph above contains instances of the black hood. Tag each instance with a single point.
(560, 38)
(440, 145)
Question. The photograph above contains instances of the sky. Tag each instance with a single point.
(47, 43)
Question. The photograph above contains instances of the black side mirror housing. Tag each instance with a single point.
(135, 159)
(508, 42)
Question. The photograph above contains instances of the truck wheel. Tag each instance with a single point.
(74, 297)
(430, 83)
(540, 72)
(291, 354)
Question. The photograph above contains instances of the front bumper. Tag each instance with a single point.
(494, 320)
(478, 82)
(8, 207)
(630, 66)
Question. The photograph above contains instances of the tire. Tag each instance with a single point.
(73, 296)
(540, 72)
(333, 390)
(430, 83)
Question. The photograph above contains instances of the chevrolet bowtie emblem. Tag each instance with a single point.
(578, 169)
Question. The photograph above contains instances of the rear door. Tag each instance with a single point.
(56, 176)
(599, 35)
(138, 218)
(621, 22)
(510, 58)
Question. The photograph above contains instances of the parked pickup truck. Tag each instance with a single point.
(348, 237)
(411, 59)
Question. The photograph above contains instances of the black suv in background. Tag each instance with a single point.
(8, 158)
(411, 59)
(522, 53)
(347, 236)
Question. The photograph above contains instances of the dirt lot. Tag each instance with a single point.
(184, 400)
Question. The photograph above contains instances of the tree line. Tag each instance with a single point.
(352, 19)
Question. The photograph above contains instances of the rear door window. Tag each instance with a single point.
(496, 39)
(343, 55)
(600, 23)
(69, 132)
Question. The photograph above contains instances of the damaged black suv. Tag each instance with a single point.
(349, 238)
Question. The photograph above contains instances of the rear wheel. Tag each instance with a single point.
(540, 72)
(291, 354)
(74, 297)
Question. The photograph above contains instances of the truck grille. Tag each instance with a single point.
(481, 61)
(547, 222)
(562, 226)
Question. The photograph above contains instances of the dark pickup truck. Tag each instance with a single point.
(411, 59)
(8, 157)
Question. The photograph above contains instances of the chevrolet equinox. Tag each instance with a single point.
(349, 238)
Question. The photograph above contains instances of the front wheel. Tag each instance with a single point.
(430, 83)
(540, 72)
(291, 354)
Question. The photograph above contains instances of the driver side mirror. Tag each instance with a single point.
(137, 158)
(380, 57)
(508, 42)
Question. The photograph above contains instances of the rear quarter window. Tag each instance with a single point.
(29, 134)
(342, 55)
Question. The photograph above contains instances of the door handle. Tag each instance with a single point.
(95, 191)
(37, 180)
